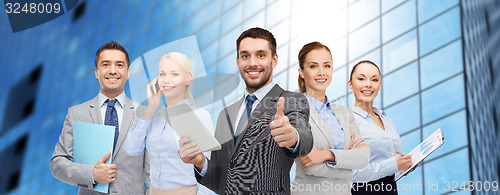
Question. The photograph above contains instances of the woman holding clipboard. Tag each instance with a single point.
(169, 175)
(379, 133)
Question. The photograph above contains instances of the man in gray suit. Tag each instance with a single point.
(261, 134)
(111, 107)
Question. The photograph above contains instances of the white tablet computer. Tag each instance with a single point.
(186, 124)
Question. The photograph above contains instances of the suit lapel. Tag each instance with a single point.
(231, 113)
(267, 102)
(339, 113)
(128, 115)
(316, 118)
(95, 111)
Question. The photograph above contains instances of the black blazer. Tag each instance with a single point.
(256, 164)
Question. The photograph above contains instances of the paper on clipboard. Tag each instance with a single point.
(90, 143)
(186, 124)
(424, 149)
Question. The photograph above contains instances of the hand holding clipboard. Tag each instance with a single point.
(424, 149)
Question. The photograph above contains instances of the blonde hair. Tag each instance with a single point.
(185, 63)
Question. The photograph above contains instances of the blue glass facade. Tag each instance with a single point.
(481, 27)
(438, 71)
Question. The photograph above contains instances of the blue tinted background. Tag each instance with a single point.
(434, 58)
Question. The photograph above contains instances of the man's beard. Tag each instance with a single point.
(260, 83)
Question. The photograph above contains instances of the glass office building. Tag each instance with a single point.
(481, 26)
(438, 61)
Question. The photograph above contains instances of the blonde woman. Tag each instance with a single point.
(338, 146)
(169, 175)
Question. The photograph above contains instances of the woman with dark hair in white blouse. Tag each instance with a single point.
(379, 133)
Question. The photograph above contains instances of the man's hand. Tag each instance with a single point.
(104, 173)
(190, 153)
(281, 129)
(356, 144)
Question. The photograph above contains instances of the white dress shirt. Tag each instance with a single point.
(384, 145)
(260, 94)
(119, 105)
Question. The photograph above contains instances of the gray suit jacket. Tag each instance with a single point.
(256, 164)
(129, 171)
(332, 179)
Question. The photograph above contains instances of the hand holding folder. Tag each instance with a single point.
(93, 145)
(104, 172)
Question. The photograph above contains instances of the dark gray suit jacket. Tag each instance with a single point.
(256, 164)
(130, 169)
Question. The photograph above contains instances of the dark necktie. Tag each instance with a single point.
(244, 117)
(111, 118)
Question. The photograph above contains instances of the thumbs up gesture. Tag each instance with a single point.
(281, 129)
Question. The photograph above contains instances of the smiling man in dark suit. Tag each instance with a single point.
(261, 134)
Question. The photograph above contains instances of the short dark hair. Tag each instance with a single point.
(363, 62)
(257, 33)
(110, 46)
(302, 58)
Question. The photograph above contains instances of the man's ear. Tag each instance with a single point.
(275, 60)
(96, 73)
(128, 72)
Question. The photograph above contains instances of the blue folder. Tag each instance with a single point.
(90, 143)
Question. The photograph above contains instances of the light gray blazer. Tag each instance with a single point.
(130, 169)
(324, 178)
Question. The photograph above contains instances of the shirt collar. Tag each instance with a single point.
(184, 101)
(365, 114)
(378, 111)
(318, 105)
(262, 92)
(120, 98)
